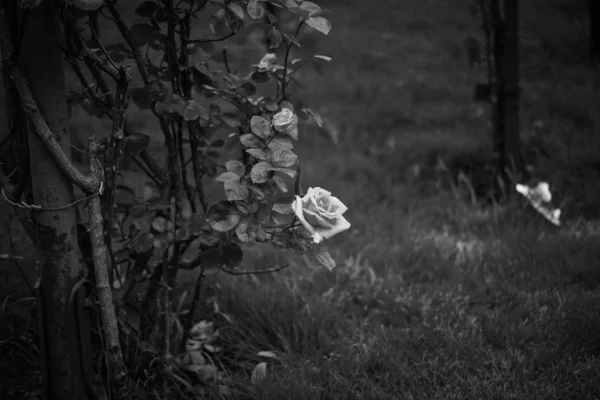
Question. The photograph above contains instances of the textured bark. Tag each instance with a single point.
(114, 355)
(42, 65)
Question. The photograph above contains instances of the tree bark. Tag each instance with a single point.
(594, 15)
(512, 141)
(42, 63)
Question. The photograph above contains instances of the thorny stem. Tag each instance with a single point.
(288, 49)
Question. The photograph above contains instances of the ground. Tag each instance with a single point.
(437, 295)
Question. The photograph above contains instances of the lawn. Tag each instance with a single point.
(437, 294)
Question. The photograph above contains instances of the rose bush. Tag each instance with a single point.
(321, 214)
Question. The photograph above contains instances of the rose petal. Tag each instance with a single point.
(318, 220)
(335, 205)
(341, 225)
(297, 205)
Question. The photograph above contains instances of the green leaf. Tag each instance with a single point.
(260, 127)
(248, 89)
(283, 208)
(156, 91)
(236, 9)
(310, 7)
(281, 142)
(192, 251)
(291, 39)
(259, 192)
(321, 57)
(199, 228)
(222, 216)
(231, 120)
(173, 104)
(257, 153)
(85, 5)
(250, 140)
(260, 172)
(325, 259)
(232, 255)
(235, 191)
(134, 144)
(146, 9)
(142, 243)
(163, 240)
(217, 23)
(217, 143)
(283, 158)
(256, 9)
(160, 224)
(228, 177)
(260, 76)
(320, 24)
(274, 37)
(286, 171)
(241, 230)
(280, 183)
(235, 166)
(193, 110)
(143, 34)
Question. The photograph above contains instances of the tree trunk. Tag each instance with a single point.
(500, 83)
(42, 63)
(594, 14)
(512, 141)
(505, 17)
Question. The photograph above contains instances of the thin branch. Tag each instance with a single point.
(254, 272)
(126, 33)
(212, 40)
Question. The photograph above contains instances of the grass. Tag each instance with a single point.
(435, 296)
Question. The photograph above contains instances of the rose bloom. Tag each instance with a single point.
(285, 121)
(321, 214)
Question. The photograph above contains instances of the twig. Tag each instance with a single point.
(35, 207)
(212, 40)
(126, 33)
(253, 272)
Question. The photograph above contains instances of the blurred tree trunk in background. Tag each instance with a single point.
(512, 140)
(594, 14)
(505, 19)
(62, 325)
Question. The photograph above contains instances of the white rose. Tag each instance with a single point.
(321, 213)
(285, 121)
